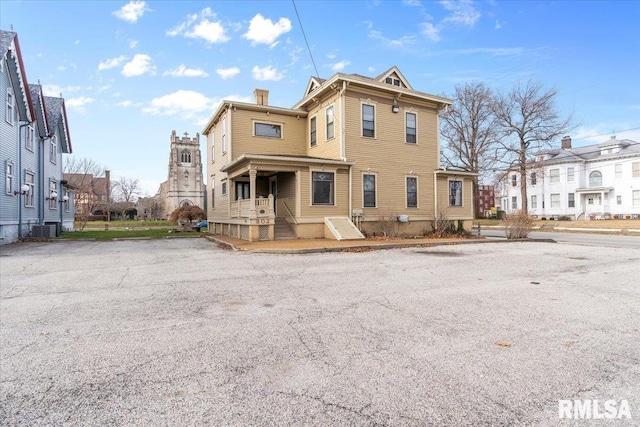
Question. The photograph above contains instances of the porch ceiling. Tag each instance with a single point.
(594, 190)
(278, 162)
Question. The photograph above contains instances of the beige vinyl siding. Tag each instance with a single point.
(286, 193)
(221, 210)
(341, 195)
(455, 212)
(294, 134)
(326, 148)
(389, 156)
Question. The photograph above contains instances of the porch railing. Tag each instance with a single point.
(241, 208)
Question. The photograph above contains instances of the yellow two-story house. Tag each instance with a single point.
(355, 153)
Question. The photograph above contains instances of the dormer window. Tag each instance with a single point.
(392, 81)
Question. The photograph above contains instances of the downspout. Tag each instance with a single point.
(343, 151)
(435, 195)
(350, 191)
(23, 178)
(41, 179)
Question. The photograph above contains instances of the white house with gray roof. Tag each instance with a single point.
(600, 181)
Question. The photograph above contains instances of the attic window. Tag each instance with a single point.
(392, 81)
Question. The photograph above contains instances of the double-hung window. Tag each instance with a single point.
(29, 180)
(514, 202)
(412, 192)
(53, 150)
(31, 136)
(53, 185)
(330, 123)
(635, 169)
(9, 108)
(554, 176)
(322, 188)
(534, 202)
(595, 179)
(213, 148)
(555, 200)
(369, 190)
(534, 178)
(411, 128)
(636, 197)
(9, 178)
(455, 193)
(368, 121)
(571, 200)
(570, 174)
(224, 135)
(312, 132)
(514, 180)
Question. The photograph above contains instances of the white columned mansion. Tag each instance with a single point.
(600, 181)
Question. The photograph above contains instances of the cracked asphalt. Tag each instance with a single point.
(181, 332)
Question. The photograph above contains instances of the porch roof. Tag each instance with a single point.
(285, 159)
(594, 190)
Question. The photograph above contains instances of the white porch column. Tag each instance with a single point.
(252, 193)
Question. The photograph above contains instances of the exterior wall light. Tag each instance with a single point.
(24, 190)
(53, 196)
(395, 108)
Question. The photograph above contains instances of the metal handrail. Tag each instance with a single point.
(289, 212)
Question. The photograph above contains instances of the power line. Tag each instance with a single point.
(605, 134)
(305, 38)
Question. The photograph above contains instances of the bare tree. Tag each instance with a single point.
(90, 182)
(528, 122)
(469, 133)
(125, 191)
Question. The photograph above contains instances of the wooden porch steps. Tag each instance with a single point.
(283, 230)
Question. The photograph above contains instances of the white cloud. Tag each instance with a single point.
(77, 42)
(263, 31)
(414, 3)
(78, 103)
(111, 63)
(61, 68)
(331, 55)
(429, 30)
(394, 43)
(133, 43)
(131, 11)
(266, 73)
(55, 90)
(185, 103)
(462, 12)
(339, 66)
(371, 69)
(183, 71)
(139, 65)
(128, 103)
(228, 73)
(197, 26)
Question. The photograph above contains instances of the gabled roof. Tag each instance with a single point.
(37, 101)
(10, 49)
(378, 83)
(394, 72)
(57, 119)
(226, 104)
(314, 83)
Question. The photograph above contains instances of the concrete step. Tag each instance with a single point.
(283, 231)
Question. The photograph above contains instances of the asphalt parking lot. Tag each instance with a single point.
(181, 332)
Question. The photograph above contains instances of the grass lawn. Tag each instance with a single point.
(95, 225)
(609, 224)
(151, 233)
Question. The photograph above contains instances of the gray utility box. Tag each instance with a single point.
(43, 231)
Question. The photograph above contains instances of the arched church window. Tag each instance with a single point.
(185, 157)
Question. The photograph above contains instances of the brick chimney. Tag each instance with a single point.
(566, 142)
(262, 96)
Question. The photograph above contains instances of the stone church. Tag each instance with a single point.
(184, 184)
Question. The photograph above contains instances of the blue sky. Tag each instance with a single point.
(131, 72)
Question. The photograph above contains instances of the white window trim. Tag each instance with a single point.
(326, 124)
(635, 173)
(571, 177)
(29, 199)
(10, 177)
(224, 185)
(30, 140)
(335, 186)
(375, 174)
(552, 177)
(53, 186)
(406, 204)
(53, 150)
(10, 105)
(551, 201)
(223, 141)
(635, 197)
(461, 192)
(534, 201)
(213, 148)
(270, 123)
(407, 112)
(375, 119)
(314, 117)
